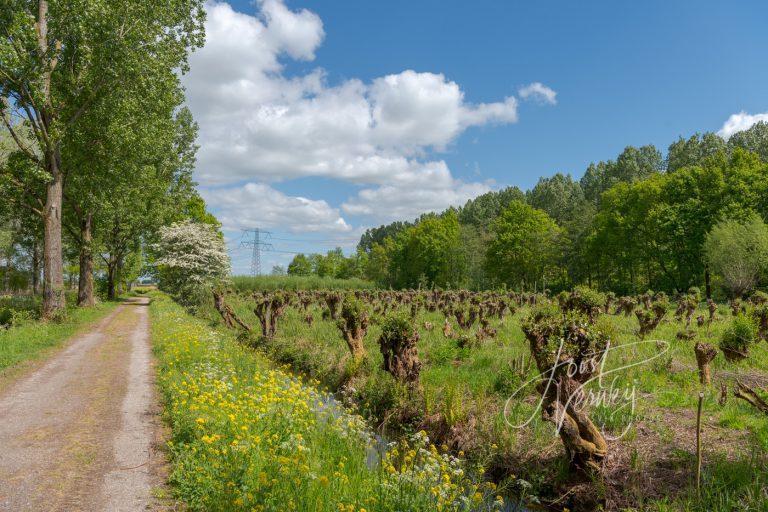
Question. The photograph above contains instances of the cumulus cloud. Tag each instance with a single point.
(538, 92)
(257, 204)
(740, 122)
(260, 123)
(388, 202)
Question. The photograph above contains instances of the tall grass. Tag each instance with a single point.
(28, 337)
(250, 283)
(249, 437)
(462, 383)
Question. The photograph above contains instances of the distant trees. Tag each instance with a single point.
(755, 140)
(633, 164)
(635, 223)
(429, 254)
(331, 264)
(737, 251)
(693, 151)
(559, 196)
(525, 248)
(480, 211)
(300, 266)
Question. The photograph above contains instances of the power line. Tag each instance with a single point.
(257, 245)
(322, 241)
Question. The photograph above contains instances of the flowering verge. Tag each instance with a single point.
(247, 437)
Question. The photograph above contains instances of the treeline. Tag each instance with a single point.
(96, 150)
(642, 221)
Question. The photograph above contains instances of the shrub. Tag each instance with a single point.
(398, 346)
(738, 336)
(192, 256)
(6, 317)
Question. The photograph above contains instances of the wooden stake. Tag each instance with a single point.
(698, 443)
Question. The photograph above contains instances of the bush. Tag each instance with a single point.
(738, 336)
(6, 317)
(192, 257)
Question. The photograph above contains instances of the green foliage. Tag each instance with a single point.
(300, 266)
(28, 337)
(429, 253)
(352, 310)
(560, 196)
(740, 334)
(398, 326)
(290, 282)
(737, 251)
(694, 151)
(525, 247)
(6, 317)
(633, 164)
(482, 210)
(754, 139)
(587, 300)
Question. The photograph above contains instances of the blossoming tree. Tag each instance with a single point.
(192, 256)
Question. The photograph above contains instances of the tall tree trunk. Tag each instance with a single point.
(119, 275)
(111, 275)
(35, 269)
(53, 267)
(7, 274)
(85, 282)
(708, 281)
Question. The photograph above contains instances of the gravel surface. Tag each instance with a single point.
(79, 433)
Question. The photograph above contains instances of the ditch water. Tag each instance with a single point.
(327, 403)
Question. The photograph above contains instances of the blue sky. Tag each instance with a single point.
(624, 74)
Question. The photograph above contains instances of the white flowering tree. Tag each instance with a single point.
(191, 257)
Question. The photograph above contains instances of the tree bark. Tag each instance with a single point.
(7, 274)
(111, 271)
(85, 282)
(705, 353)
(708, 282)
(35, 269)
(119, 278)
(54, 299)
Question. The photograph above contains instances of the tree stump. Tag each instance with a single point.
(705, 353)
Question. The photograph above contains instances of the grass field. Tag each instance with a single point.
(465, 390)
(247, 436)
(28, 337)
(250, 283)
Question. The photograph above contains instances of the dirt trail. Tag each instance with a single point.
(78, 434)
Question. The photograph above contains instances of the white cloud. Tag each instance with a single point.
(740, 122)
(430, 189)
(256, 204)
(538, 92)
(259, 123)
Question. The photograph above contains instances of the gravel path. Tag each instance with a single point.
(79, 433)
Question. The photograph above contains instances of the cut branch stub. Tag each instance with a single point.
(398, 346)
(353, 325)
(269, 308)
(333, 300)
(227, 313)
(705, 353)
(750, 396)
